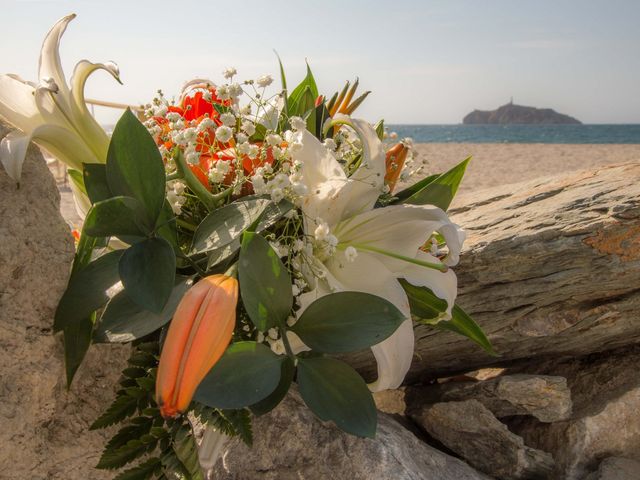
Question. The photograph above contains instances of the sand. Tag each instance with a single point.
(492, 164)
(496, 164)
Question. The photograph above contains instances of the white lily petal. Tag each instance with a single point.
(65, 145)
(211, 447)
(394, 357)
(80, 199)
(17, 105)
(367, 274)
(366, 183)
(13, 149)
(91, 131)
(401, 229)
(443, 284)
(49, 65)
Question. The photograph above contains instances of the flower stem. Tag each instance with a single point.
(194, 184)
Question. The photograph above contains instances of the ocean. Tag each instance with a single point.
(580, 134)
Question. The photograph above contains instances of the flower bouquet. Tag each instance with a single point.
(241, 242)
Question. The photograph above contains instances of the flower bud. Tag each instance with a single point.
(396, 157)
(198, 335)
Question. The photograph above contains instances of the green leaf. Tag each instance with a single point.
(186, 449)
(87, 290)
(246, 373)
(144, 471)
(308, 82)
(147, 270)
(424, 304)
(225, 225)
(76, 177)
(122, 407)
(334, 391)
(123, 320)
(283, 80)
(462, 324)
(287, 372)
(265, 284)
(403, 195)
(77, 339)
(379, 128)
(120, 456)
(95, 181)
(116, 216)
(303, 104)
(240, 420)
(440, 192)
(347, 321)
(134, 166)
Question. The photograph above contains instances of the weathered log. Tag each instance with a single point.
(550, 267)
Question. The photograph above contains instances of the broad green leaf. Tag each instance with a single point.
(123, 320)
(403, 195)
(462, 324)
(77, 339)
(297, 93)
(247, 373)
(265, 284)
(147, 270)
(335, 392)
(166, 226)
(87, 290)
(303, 104)
(95, 181)
(288, 370)
(114, 217)
(224, 226)
(424, 304)
(347, 321)
(134, 166)
(440, 192)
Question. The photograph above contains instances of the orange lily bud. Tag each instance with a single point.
(396, 157)
(199, 334)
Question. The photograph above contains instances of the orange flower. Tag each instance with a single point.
(199, 334)
(396, 157)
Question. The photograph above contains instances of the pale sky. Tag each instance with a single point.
(425, 61)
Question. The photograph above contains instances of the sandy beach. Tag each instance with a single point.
(492, 164)
(500, 164)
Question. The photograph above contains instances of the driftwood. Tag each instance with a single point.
(551, 268)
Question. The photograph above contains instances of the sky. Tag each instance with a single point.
(425, 61)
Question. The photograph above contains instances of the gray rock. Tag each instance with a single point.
(527, 273)
(606, 419)
(470, 430)
(291, 444)
(44, 432)
(545, 397)
(615, 468)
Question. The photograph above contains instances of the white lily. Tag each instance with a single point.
(387, 241)
(51, 113)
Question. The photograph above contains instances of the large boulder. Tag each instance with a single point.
(551, 267)
(605, 422)
(291, 443)
(44, 432)
(470, 430)
(545, 397)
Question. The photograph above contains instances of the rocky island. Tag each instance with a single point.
(518, 114)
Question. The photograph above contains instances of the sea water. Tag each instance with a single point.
(519, 133)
